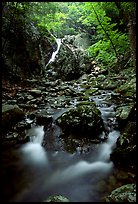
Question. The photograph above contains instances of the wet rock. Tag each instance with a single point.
(22, 126)
(124, 155)
(32, 81)
(91, 91)
(29, 97)
(23, 138)
(128, 89)
(125, 193)
(122, 114)
(43, 119)
(12, 102)
(32, 101)
(82, 119)
(26, 106)
(72, 62)
(11, 114)
(35, 92)
(31, 116)
(57, 198)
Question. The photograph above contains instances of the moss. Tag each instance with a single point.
(125, 193)
(57, 198)
(85, 118)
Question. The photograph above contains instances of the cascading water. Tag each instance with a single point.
(52, 59)
(73, 175)
(33, 152)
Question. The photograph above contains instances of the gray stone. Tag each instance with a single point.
(125, 193)
(57, 198)
(35, 92)
(85, 118)
(11, 114)
(123, 111)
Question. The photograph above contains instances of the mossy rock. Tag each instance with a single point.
(84, 118)
(11, 114)
(125, 193)
(128, 89)
(57, 198)
(124, 154)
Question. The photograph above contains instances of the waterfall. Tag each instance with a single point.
(32, 151)
(52, 59)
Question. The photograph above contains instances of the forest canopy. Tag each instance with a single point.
(109, 25)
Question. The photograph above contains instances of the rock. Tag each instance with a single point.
(122, 114)
(125, 193)
(82, 119)
(12, 102)
(32, 81)
(72, 61)
(11, 114)
(57, 198)
(128, 89)
(29, 97)
(124, 155)
(22, 126)
(35, 92)
(36, 47)
(43, 120)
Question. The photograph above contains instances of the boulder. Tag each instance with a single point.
(125, 193)
(122, 114)
(84, 118)
(11, 114)
(124, 155)
(72, 61)
(57, 198)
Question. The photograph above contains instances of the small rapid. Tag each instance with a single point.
(33, 152)
(60, 172)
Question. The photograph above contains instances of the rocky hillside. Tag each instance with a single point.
(25, 49)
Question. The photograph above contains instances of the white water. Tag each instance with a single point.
(64, 173)
(106, 148)
(60, 172)
(52, 59)
(78, 170)
(33, 151)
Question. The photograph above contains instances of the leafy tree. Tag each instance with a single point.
(106, 23)
(47, 16)
(110, 42)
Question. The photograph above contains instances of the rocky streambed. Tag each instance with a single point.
(60, 137)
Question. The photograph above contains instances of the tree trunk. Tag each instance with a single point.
(129, 18)
(132, 39)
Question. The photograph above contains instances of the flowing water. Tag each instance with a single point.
(52, 59)
(41, 172)
(35, 172)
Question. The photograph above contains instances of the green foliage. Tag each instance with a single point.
(102, 49)
(47, 15)
(71, 18)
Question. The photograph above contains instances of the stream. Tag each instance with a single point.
(81, 177)
(38, 172)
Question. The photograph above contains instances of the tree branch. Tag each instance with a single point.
(105, 32)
